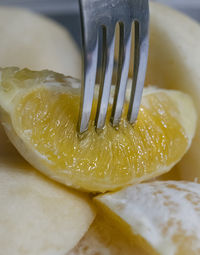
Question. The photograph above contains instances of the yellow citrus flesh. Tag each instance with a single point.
(44, 114)
(163, 216)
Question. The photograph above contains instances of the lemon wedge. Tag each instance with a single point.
(39, 111)
(37, 216)
(163, 217)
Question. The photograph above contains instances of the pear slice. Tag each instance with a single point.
(34, 41)
(37, 216)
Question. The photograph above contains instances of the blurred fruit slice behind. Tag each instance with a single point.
(37, 216)
(174, 60)
(103, 238)
(37, 42)
(40, 113)
(163, 217)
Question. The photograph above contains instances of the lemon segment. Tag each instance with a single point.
(163, 216)
(40, 117)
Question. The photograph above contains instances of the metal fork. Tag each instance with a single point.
(104, 15)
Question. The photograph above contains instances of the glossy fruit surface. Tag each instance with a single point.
(40, 113)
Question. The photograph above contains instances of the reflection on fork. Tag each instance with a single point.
(104, 15)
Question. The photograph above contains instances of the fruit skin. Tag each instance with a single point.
(31, 40)
(162, 217)
(37, 216)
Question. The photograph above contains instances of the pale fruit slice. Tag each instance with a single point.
(40, 113)
(103, 238)
(37, 216)
(163, 217)
(34, 41)
(174, 60)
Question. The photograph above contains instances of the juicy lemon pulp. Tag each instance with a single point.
(45, 119)
(48, 121)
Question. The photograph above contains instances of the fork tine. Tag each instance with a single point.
(90, 55)
(90, 43)
(122, 73)
(140, 64)
(95, 14)
(87, 89)
(106, 75)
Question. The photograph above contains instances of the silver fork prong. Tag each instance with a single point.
(140, 65)
(122, 73)
(98, 13)
(87, 89)
(108, 51)
(90, 44)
